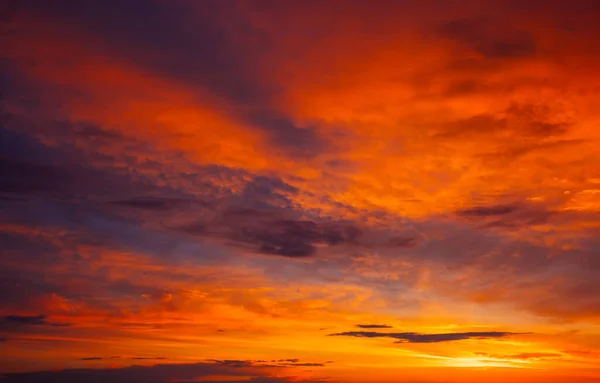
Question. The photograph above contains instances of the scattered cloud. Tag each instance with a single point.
(209, 175)
(413, 337)
(373, 326)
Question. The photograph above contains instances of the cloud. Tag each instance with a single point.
(190, 54)
(264, 363)
(33, 320)
(523, 356)
(156, 203)
(413, 337)
(489, 40)
(144, 203)
(148, 358)
(512, 216)
(487, 211)
(295, 140)
(92, 358)
(268, 232)
(160, 373)
(21, 177)
(163, 144)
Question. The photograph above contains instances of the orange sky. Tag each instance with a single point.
(300, 191)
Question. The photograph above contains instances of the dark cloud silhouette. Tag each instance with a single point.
(263, 363)
(24, 177)
(29, 167)
(405, 242)
(266, 193)
(203, 55)
(530, 125)
(247, 371)
(148, 358)
(373, 326)
(235, 370)
(413, 337)
(91, 358)
(490, 41)
(510, 216)
(161, 373)
(284, 133)
(34, 320)
(144, 203)
(156, 203)
(487, 211)
(263, 380)
(537, 120)
(267, 232)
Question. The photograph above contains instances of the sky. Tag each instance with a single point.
(313, 191)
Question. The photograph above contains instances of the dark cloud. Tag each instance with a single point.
(144, 203)
(509, 216)
(538, 120)
(29, 167)
(148, 358)
(264, 380)
(296, 238)
(490, 41)
(267, 232)
(481, 125)
(266, 193)
(156, 203)
(247, 371)
(373, 326)
(35, 320)
(406, 242)
(413, 337)
(272, 364)
(161, 373)
(23, 177)
(487, 211)
(198, 48)
(158, 36)
(526, 126)
(291, 138)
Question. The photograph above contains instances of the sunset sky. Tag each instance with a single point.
(309, 191)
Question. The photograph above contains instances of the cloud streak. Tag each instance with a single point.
(32, 320)
(413, 337)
